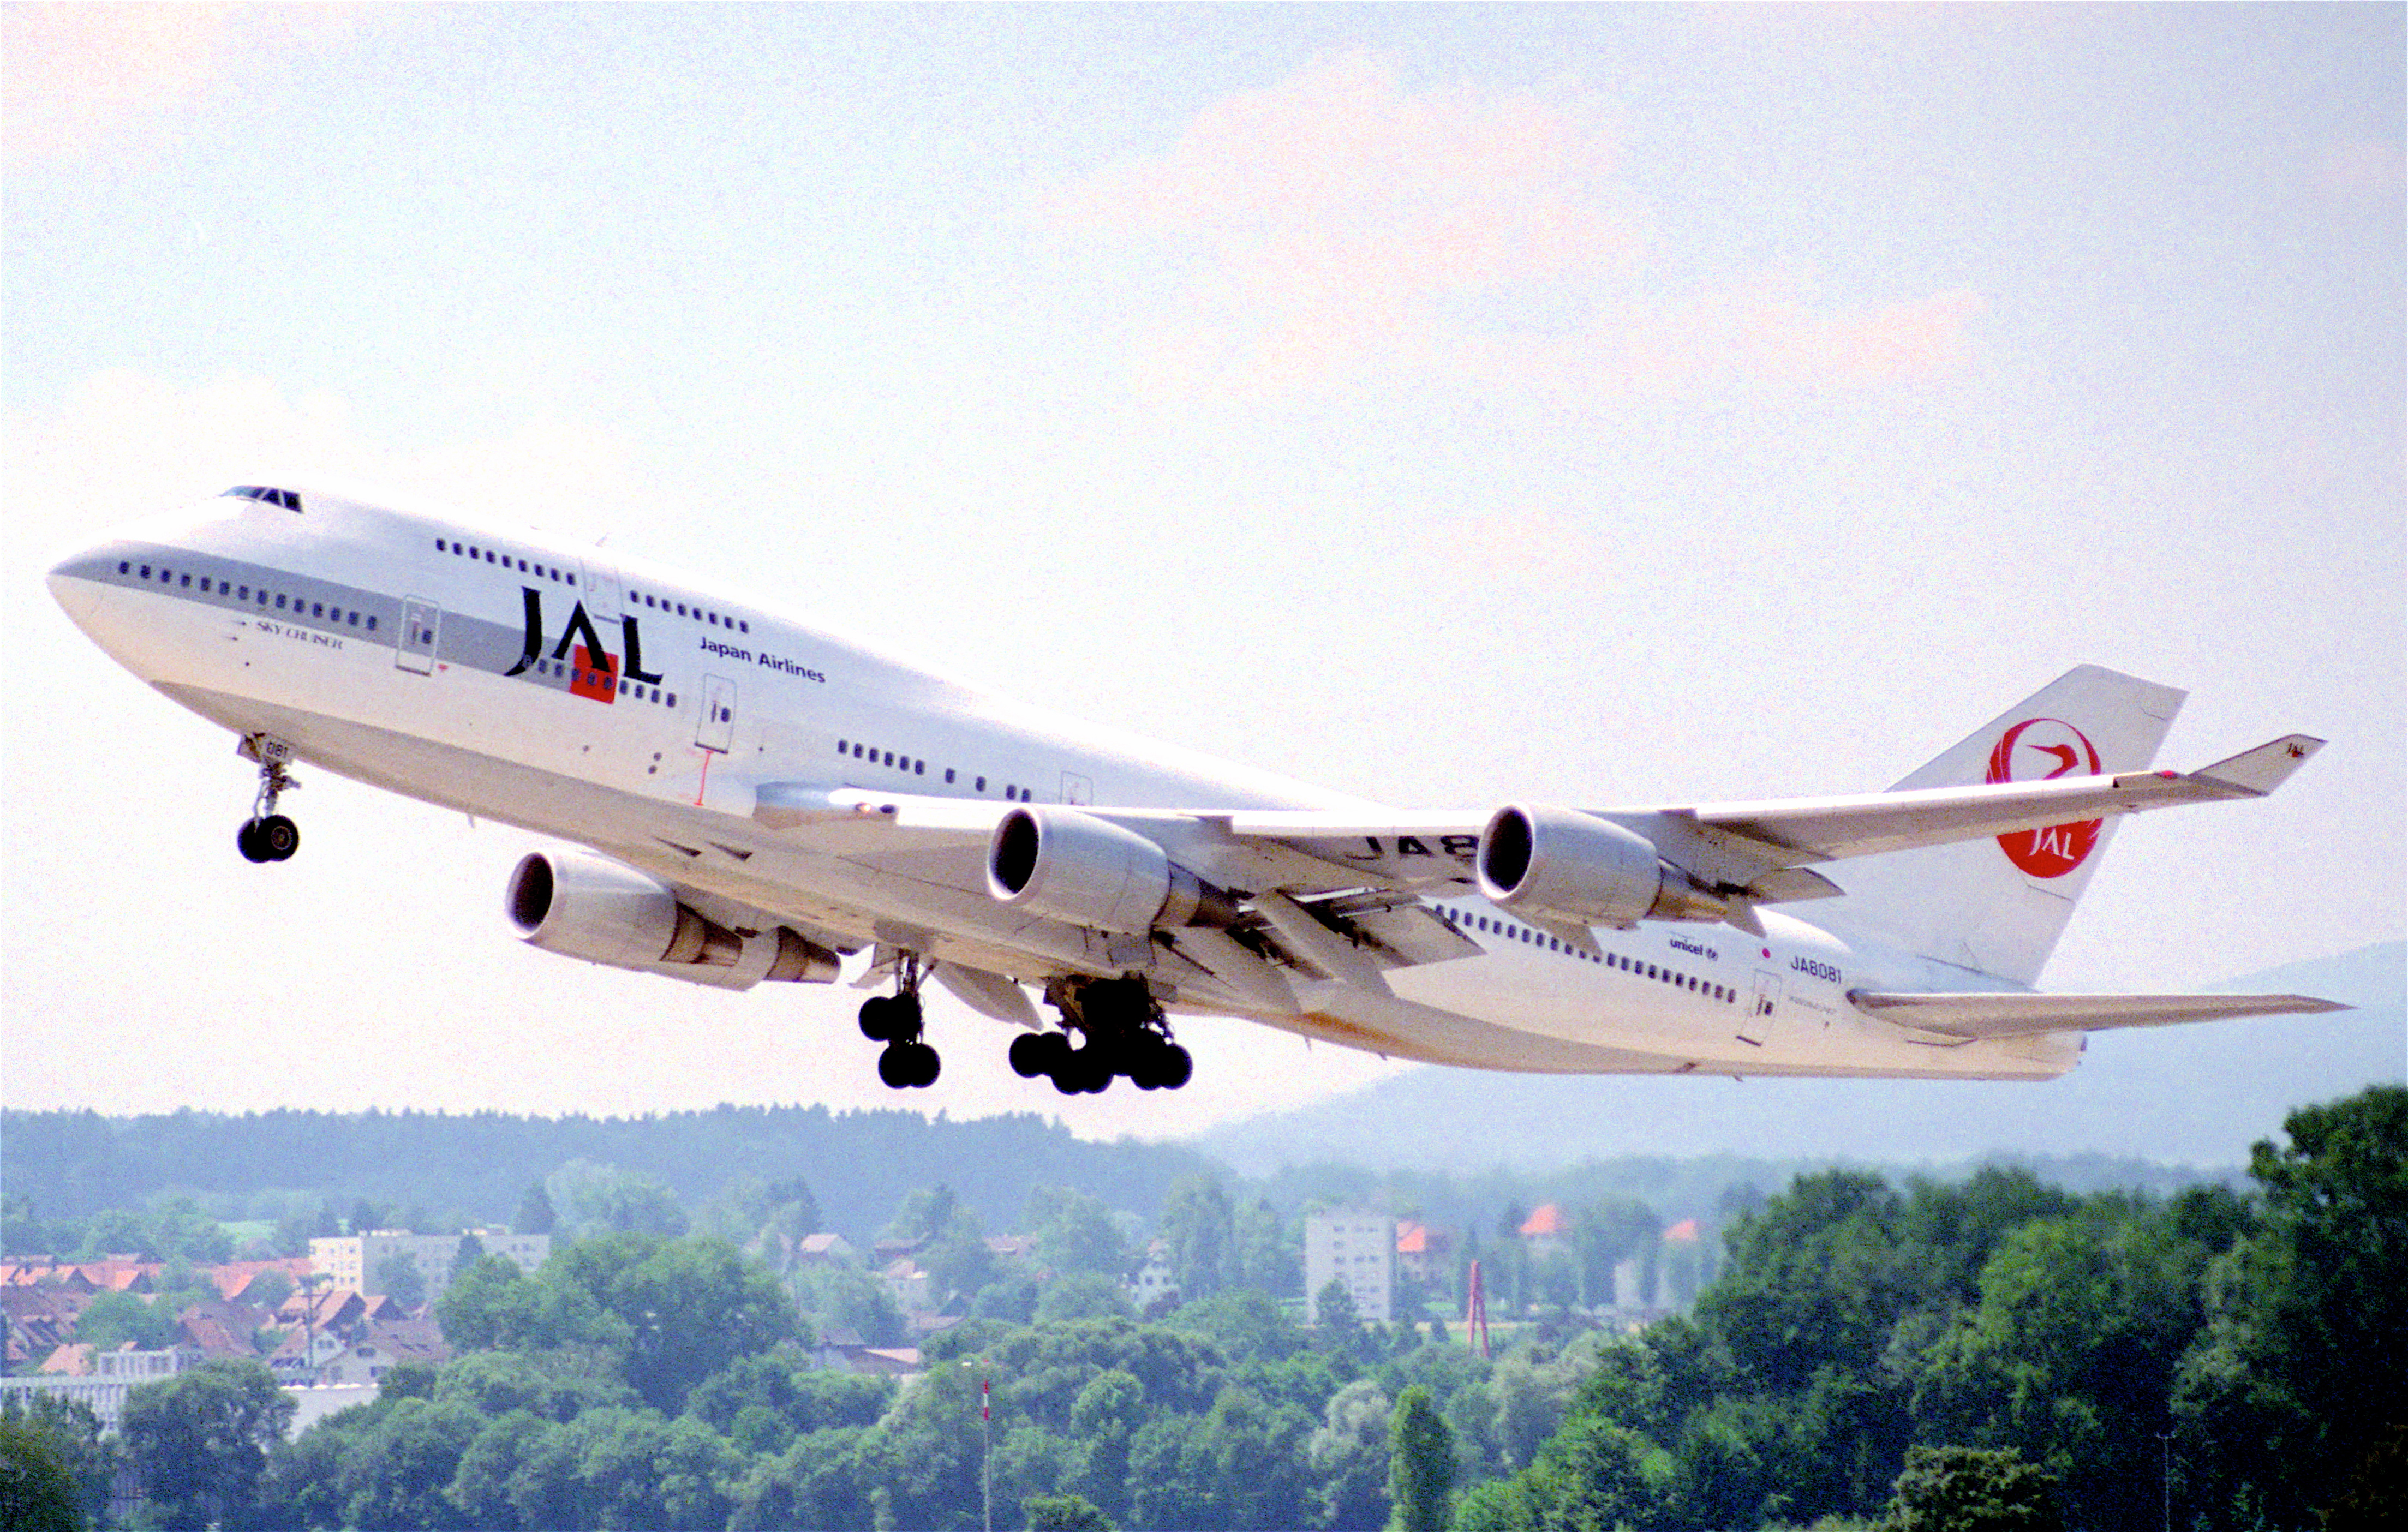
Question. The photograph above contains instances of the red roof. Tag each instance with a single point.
(74, 1361)
(1411, 1239)
(1548, 1220)
(1682, 1232)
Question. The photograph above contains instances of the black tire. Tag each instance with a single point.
(1176, 1066)
(925, 1064)
(877, 1021)
(895, 1067)
(1027, 1054)
(280, 837)
(247, 841)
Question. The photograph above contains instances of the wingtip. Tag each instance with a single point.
(2258, 773)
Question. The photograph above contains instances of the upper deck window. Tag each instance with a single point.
(289, 500)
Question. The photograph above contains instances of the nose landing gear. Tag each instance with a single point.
(1123, 1033)
(906, 1063)
(268, 836)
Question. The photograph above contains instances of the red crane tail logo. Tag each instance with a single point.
(2042, 749)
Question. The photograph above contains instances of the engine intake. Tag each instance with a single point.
(1563, 865)
(589, 906)
(1088, 871)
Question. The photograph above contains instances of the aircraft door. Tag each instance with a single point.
(601, 591)
(413, 648)
(1757, 1024)
(715, 728)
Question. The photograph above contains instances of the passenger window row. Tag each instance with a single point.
(604, 679)
(697, 613)
(507, 561)
(874, 756)
(317, 612)
(1513, 932)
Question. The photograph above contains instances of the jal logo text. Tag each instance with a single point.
(2042, 750)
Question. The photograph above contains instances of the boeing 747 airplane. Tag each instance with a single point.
(747, 798)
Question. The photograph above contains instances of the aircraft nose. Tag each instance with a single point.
(77, 580)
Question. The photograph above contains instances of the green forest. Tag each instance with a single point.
(1994, 1353)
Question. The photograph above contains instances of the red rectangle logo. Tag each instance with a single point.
(595, 675)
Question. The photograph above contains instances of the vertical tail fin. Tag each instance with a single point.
(1997, 906)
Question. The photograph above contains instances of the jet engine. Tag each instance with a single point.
(1088, 871)
(583, 905)
(1560, 864)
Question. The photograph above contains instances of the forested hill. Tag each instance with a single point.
(859, 1164)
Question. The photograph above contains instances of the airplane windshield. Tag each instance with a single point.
(289, 500)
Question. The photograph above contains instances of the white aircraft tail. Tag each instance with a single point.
(1998, 905)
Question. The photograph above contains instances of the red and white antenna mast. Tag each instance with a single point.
(1475, 1314)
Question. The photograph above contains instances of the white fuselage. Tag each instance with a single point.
(456, 664)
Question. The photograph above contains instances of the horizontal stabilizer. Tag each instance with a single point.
(1979, 1018)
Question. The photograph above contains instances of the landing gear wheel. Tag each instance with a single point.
(908, 1066)
(877, 1022)
(1029, 1055)
(268, 836)
(278, 837)
(1173, 1067)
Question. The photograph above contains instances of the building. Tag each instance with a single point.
(112, 1375)
(1358, 1250)
(1153, 1283)
(357, 1261)
(382, 1345)
(1546, 1230)
(1424, 1253)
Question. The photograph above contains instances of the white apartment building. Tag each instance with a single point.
(114, 1375)
(1355, 1248)
(353, 1260)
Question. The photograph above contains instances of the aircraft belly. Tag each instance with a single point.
(1636, 1019)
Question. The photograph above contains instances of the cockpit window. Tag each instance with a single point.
(289, 500)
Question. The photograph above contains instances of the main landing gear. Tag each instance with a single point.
(906, 1063)
(1122, 1033)
(267, 835)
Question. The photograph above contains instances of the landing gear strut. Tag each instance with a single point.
(267, 835)
(1122, 1032)
(906, 1063)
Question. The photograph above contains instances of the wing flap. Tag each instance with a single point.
(1981, 1018)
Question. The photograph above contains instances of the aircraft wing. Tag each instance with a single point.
(1760, 849)
(1981, 1018)
(1753, 846)
(1801, 830)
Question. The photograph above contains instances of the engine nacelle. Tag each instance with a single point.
(588, 907)
(1088, 871)
(1563, 865)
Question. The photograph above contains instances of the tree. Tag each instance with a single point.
(1066, 1513)
(536, 1215)
(1350, 1455)
(399, 1277)
(112, 1319)
(1075, 1232)
(68, 1432)
(1084, 1297)
(2297, 1376)
(1201, 1230)
(199, 1441)
(1965, 1489)
(397, 1473)
(37, 1492)
(691, 1307)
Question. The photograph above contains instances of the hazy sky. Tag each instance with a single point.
(1597, 404)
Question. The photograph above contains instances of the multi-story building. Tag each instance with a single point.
(356, 1262)
(1358, 1250)
(114, 1375)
